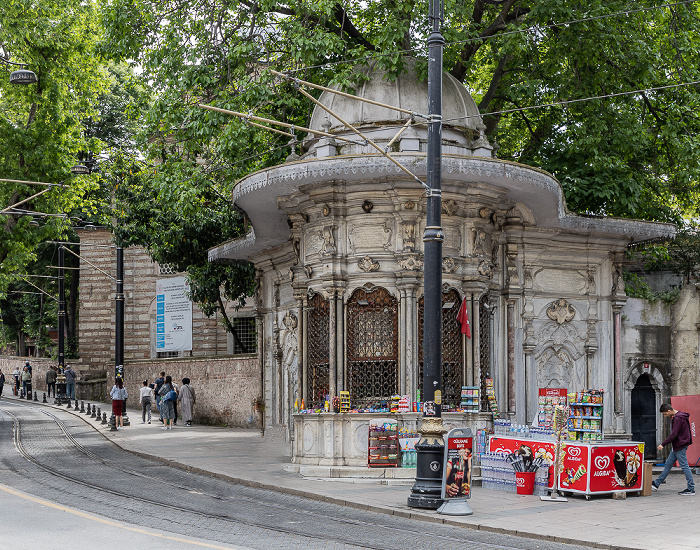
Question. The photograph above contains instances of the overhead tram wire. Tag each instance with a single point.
(625, 12)
(491, 113)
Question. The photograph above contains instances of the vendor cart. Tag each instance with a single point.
(590, 468)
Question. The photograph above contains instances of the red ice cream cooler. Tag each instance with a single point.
(590, 468)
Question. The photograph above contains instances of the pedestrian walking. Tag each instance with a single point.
(679, 439)
(26, 382)
(51, 381)
(118, 395)
(159, 384)
(70, 381)
(167, 392)
(145, 399)
(16, 376)
(177, 390)
(187, 400)
(2, 381)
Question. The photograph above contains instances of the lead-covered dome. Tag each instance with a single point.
(459, 112)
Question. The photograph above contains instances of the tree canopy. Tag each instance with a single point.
(41, 125)
(532, 66)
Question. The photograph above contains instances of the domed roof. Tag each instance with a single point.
(408, 92)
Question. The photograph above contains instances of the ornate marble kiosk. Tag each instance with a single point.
(335, 236)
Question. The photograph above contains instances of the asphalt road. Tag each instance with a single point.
(63, 485)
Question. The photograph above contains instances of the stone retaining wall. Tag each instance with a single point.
(226, 387)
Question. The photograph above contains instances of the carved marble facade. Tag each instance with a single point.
(342, 217)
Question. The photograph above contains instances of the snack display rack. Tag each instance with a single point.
(383, 443)
(344, 401)
(547, 401)
(470, 399)
(586, 415)
(491, 395)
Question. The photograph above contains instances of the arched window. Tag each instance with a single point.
(317, 349)
(372, 346)
(452, 355)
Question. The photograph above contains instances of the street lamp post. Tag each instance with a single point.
(426, 490)
(61, 310)
(22, 75)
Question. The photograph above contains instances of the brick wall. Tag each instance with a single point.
(97, 290)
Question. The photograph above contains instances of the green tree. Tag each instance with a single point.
(41, 126)
(531, 65)
(625, 155)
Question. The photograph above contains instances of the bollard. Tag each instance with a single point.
(76, 405)
(93, 412)
(112, 423)
(82, 406)
(88, 409)
(98, 415)
(104, 418)
(68, 403)
(44, 401)
(35, 397)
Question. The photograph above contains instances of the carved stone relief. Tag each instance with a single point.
(411, 263)
(561, 311)
(366, 237)
(560, 357)
(328, 247)
(553, 280)
(512, 269)
(478, 242)
(450, 207)
(485, 269)
(448, 265)
(409, 235)
(367, 264)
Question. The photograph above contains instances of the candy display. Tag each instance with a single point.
(470, 399)
(547, 400)
(491, 395)
(383, 443)
(586, 416)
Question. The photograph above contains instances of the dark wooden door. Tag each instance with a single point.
(644, 415)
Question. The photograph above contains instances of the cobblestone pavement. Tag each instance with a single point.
(57, 456)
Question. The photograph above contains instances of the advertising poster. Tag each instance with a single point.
(545, 449)
(691, 405)
(616, 468)
(457, 480)
(173, 315)
(573, 476)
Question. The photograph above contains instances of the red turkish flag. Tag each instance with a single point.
(463, 319)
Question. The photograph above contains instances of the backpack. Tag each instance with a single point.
(170, 396)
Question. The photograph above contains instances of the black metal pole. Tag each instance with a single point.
(426, 490)
(119, 317)
(61, 310)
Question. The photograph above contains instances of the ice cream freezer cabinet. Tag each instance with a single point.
(589, 468)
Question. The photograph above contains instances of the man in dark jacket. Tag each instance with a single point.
(680, 438)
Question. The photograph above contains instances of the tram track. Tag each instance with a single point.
(313, 516)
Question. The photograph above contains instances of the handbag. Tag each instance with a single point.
(170, 396)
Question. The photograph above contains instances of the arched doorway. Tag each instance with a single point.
(643, 413)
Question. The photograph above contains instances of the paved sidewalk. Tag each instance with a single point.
(663, 520)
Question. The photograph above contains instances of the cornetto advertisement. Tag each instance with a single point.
(573, 475)
(616, 468)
